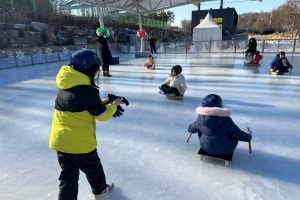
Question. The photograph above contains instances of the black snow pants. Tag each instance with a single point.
(70, 164)
(167, 89)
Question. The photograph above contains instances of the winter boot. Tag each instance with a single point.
(107, 74)
(104, 73)
(108, 189)
(286, 69)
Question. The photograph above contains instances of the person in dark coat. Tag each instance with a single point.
(152, 41)
(252, 44)
(217, 133)
(105, 54)
(280, 63)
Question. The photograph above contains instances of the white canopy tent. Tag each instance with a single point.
(207, 30)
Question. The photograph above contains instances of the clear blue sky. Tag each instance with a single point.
(241, 6)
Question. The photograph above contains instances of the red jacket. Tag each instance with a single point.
(256, 59)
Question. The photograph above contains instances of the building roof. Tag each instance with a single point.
(131, 6)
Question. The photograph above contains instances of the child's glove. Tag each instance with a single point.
(113, 97)
(250, 132)
(119, 111)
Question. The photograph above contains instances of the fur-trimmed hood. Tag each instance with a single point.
(213, 111)
(212, 117)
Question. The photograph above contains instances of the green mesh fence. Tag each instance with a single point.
(30, 5)
(145, 20)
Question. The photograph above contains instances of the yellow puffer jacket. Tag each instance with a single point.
(77, 106)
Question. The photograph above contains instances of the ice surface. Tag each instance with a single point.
(144, 152)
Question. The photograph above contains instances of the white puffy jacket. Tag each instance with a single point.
(177, 82)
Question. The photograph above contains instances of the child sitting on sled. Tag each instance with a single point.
(150, 63)
(280, 63)
(217, 133)
(175, 84)
(251, 47)
(256, 59)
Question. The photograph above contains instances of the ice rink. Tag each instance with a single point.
(144, 151)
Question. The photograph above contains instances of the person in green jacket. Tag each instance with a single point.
(73, 131)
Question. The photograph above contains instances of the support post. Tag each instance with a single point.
(12, 4)
(99, 11)
(221, 4)
(141, 28)
(247, 29)
(33, 4)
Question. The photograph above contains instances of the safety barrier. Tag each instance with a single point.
(37, 55)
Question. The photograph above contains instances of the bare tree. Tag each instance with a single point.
(55, 5)
(186, 25)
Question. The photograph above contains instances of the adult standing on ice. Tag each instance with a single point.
(73, 130)
(152, 41)
(105, 53)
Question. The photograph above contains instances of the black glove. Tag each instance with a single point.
(113, 97)
(119, 111)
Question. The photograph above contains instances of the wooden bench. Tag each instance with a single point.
(226, 158)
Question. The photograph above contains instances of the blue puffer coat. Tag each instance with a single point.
(217, 133)
(278, 62)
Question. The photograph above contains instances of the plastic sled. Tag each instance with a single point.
(249, 64)
(277, 73)
(175, 97)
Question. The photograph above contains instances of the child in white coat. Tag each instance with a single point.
(175, 84)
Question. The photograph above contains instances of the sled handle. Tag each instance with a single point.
(187, 140)
(250, 149)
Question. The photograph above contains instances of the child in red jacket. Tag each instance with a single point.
(256, 59)
(150, 63)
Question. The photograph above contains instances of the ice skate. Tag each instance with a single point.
(107, 190)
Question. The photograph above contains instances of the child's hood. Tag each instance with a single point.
(212, 117)
(68, 77)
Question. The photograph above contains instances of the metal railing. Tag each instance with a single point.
(37, 55)
(30, 5)
(145, 20)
